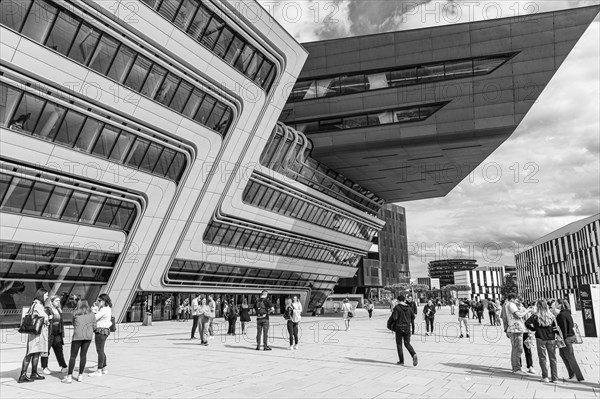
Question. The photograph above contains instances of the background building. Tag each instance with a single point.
(444, 269)
(484, 282)
(559, 263)
(510, 270)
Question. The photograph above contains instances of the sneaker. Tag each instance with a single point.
(427, 334)
(519, 372)
(415, 360)
(531, 370)
(554, 381)
(545, 380)
(105, 370)
(96, 373)
(67, 380)
(461, 336)
(400, 363)
(267, 348)
(258, 348)
(296, 347)
(467, 335)
(291, 347)
(211, 337)
(79, 378)
(47, 371)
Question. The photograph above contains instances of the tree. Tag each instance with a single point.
(509, 286)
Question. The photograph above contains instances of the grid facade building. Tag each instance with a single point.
(444, 269)
(484, 282)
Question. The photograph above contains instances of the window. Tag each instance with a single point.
(165, 160)
(459, 68)
(181, 96)
(167, 89)
(137, 152)
(88, 134)
(104, 54)
(151, 158)
(121, 64)
(107, 212)
(168, 9)
(121, 146)
(199, 23)
(62, 33)
(177, 166)
(8, 101)
(56, 203)
(105, 142)
(13, 13)
(215, 116)
(263, 72)
(84, 44)
(138, 73)
(487, 65)
(328, 87)
(49, 120)
(254, 65)
(192, 104)
(185, 14)
(75, 206)
(352, 83)
(70, 127)
(244, 59)
(402, 77)
(39, 20)
(301, 91)
(37, 199)
(431, 72)
(205, 109)
(223, 43)
(235, 49)
(91, 210)
(154, 80)
(212, 32)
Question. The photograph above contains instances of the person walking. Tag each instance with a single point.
(296, 317)
(103, 324)
(429, 315)
(370, 308)
(195, 316)
(233, 316)
(439, 304)
(262, 307)
(463, 316)
(514, 327)
(203, 321)
(452, 306)
(543, 322)
(473, 309)
(36, 343)
(492, 312)
(84, 325)
(288, 315)
(212, 312)
(244, 315)
(348, 313)
(400, 323)
(565, 323)
(479, 310)
(413, 307)
(56, 333)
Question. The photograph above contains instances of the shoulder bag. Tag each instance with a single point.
(559, 341)
(30, 323)
(578, 338)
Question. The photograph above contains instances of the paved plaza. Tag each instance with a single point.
(160, 361)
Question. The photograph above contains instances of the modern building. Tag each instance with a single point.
(444, 269)
(424, 281)
(484, 282)
(510, 271)
(141, 154)
(559, 263)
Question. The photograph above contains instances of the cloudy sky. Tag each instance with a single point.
(545, 176)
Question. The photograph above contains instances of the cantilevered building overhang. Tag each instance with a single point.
(409, 114)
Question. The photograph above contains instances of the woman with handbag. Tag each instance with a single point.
(103, 324)
(347, 313)
(566, 325)
(244, 315)
(56, 333)
(84, 325)
(543, 322)
(35, 323)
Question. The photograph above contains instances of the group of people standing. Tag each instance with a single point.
(88, 323)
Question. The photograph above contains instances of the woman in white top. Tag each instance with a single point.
(103, 323)
(296, 316)
(347, 309)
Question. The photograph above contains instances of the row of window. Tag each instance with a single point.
(284, 203)
(25, 112)
(208, 29)
(194, 272)
(34, 198)
(399, 115)
(68, 34)
(264, 242)
(306, 170)
(396, 77)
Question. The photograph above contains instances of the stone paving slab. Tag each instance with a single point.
(161, 361)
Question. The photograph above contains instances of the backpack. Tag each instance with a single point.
(391, 323)
(261, 309)
(289, 313)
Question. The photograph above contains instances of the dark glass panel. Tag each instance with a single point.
(16, 195)
(212, 32)
(402, 77)
(225, 121)
(331, 124)
(487, 65)
(355, 121)
(162, 166)
(92, 209)
(167, 89)
(121, 146)
(254, 65)
(154, 80)
(9, 97)
(139, 71)
(459, 68)
(352, 83)
(70, 127)
(84, 44)
(263, 72)
(199, 23)
(121, 64)
(63, 32)
(137, 152)
(191, 107)
(57, 202)
(270, 79)
(151, 158)
(49, 121)
(181, 96)
(27, 113)
(37, 199)
(430, 72)
(328, 87)
(235, 49)
(223, 43)
(39, 20)
(426, 111)
(106, 141)
(303, 91)
(107, 212)
(13, 13)
(104, 54)
(4, 184)
(176, 168)
(186, 13)
(75, 206)
(244, 59)
(122, 216)
(405, 115)
(205, 109)
(215, 116)
(168, 9)
(88, 134)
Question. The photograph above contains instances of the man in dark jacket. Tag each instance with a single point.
(463, 316)
(413, 307)
(403, 316)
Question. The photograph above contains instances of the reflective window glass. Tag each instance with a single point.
(244, 59)
(352, 83)
(186, 13)
(4, 184)
(8, 101)
(49, 121)
(301, 91)
(167, 89)
(152, 3)
(56, 203)
(235, 49)
(181, 96)
(254, 65)
(212, 32)
(84, 43)
(137, 152)
(328, 87)
(215, 116)
(191, 107)
(154, 80)
(405, 115)
(121, 146)
(122, 216)
(168, 9)
(459, 68)
(27, 113)
(75, 206)
(151, 158)
(331, 124)
(162, 166)
(430, 72)
(176, 168)
(225, 120)
(38, 21)
(138, 73)
(223, 42)
(355, 121)
(487, 65)
(107, 212)
(377, 80)
(270, 79)
(63, 33)
(205, 109)
(104, 54)
(263, 72)
(13, 13)
(105, 142)
(199, 23)
(92, 208)
(121, 64)
(37, 199)
(70, 127)
(402, 77)
(426, 111)
(88, 134)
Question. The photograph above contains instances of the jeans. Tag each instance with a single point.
(452, 309)
(100, 343)
(463, 321)
(293, 331)
(370, 313)
(479, 316)
(203, 329)
(492, 318)
(412, 325)
(262, 327)
(527, 351)
(75, 346)
(568, 356)
(548, 347)
(194, 326)
(403, 335)
(56, 343)
(210, 326)
(516, 342)
(232, 322)
(429, 323)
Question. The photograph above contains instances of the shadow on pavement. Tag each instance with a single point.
(355, 359)
(483, 370)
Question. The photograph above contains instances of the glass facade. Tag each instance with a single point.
(267, 194)
(395, 77)
(266, 241)
(212, 32)
(288, 152)
(385, 117)
(29, 197)
(30, 114)
(55, 27)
